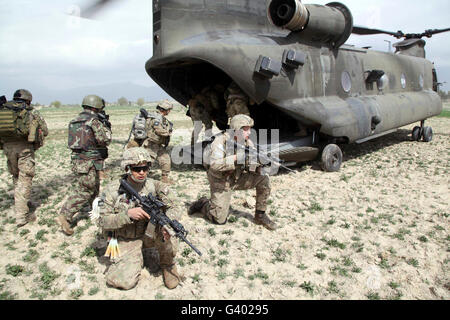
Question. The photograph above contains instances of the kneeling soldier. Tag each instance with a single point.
(122, 219)
(226, 174)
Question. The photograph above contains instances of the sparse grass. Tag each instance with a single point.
(238, 252)
(14, 270)
(76, 294)
(47, 276)
(93, 291)
(308, 287)
(413, 262)
(315, 207)
(373, 296)
(31, 256)
(334, 243)
(445, 114)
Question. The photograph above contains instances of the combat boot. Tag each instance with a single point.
(197, 205)
(65, 226)
(262, 218)
(171, 277)
(21, 223)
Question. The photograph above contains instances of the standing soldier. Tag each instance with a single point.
(228, 172)
(204, 107)
(237, 101)
(158, 130)
(89, 136)
(22, 132)
(201, 109)
(123, 220)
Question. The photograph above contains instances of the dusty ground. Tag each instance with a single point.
(378, 229)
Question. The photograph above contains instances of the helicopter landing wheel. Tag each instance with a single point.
(331, 158)
(416, 133)
(427, 134)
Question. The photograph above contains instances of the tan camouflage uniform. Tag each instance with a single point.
(87, 167)
(201, 108)
(158, 138)
(224, 176)
(133, 235)
(237, 101)
(21, 164)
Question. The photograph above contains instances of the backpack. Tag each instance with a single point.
(81, 137)
(139, 127)
(15, 120)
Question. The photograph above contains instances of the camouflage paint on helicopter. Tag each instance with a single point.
(291, 59)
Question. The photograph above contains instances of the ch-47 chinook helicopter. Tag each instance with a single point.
(290, 58)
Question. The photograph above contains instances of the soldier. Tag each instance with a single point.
(89, 136)
(159, 130)
(129, 224)
(226, 174)
(237, 101)
(204, 107)
(20, 148)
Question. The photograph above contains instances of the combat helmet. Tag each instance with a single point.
(93, 101)
(165, 105)
(241, 120)
(23, 94)
(134, 156)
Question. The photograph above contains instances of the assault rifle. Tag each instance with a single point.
(3, 100)
(104, 118)
(267, 158)
(144, 113)
(154, 208)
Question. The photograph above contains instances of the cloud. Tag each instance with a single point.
(43, 44)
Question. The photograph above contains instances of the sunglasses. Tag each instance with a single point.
(139, 169)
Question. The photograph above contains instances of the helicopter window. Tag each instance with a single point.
(403, 80)
(383, 82)
(346, 81)
(421, 81)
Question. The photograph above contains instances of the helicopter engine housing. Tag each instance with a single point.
(330, 24)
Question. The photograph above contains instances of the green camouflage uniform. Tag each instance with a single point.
(87, 162)
(133, 235)
(237, 101)
(224, 176)
(21, 162)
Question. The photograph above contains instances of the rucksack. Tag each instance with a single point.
(139, 127)
(15, 120)
(81, 137)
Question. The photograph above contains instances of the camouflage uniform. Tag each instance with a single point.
(224, 176)
(202, 107)
(159, 130)
(87, 162)
(114, 220)
(229, 171)
(133, 235)
(237, 101)
(21, 162)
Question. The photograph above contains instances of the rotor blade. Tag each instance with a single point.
(94, 8)
(368, 31)
(431, 32)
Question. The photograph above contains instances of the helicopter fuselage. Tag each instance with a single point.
(346, 93)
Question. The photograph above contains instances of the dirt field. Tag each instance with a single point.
(378, 229)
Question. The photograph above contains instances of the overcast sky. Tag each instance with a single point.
(40, 45)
